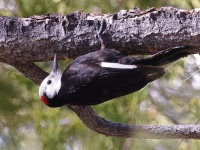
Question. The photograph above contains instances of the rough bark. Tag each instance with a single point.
(24, 41)
(107, 128)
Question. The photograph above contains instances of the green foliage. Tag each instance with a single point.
(25, 8)
(25, 122)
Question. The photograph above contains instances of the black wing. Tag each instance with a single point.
(86, 82)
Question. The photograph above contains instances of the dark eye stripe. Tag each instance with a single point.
(49, 82)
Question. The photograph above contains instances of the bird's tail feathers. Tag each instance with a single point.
(168, 56)
(161, 58)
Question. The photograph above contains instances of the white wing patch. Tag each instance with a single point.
(117, 65)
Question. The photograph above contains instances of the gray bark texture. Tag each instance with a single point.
(24, 41)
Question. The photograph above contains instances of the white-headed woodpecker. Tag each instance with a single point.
(102, 75)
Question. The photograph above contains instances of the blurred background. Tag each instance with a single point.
(26, 123)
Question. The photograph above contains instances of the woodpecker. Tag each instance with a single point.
(102, 75)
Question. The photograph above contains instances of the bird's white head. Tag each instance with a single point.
(50, 86)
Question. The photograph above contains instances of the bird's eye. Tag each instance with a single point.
(49, 82)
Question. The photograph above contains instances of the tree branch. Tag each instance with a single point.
(31, 71)
(134, 31)
(100, 125)
(24, 41)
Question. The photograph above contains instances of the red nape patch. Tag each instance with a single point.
(44, 100)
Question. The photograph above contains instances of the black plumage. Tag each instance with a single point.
(86, 82)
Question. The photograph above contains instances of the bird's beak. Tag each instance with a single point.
(55, 64)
